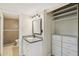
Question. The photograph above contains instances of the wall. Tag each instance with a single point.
(46, 25)
(26, 25)
(0, 36)
(25, 29)
(57, 5)
(47, 34)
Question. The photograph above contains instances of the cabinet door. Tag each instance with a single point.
(69, 46)
(32, 49)
(70, 40)
(56, 50)
(68, 52)
(56, 45)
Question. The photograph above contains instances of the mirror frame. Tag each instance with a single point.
(40, 27)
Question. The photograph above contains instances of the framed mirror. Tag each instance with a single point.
(37, 27)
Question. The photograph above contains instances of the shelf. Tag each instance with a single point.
(67, 18)
(66, 14)
(11, 30)
(10, 36)
(11, 24)
(66, 35)
(65, 10)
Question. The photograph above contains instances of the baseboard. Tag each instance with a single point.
(49, 54)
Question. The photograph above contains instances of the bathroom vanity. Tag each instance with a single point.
(32, 46)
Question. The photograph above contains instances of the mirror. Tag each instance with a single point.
(37, 27)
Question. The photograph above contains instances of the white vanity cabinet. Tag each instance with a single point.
(32, 48)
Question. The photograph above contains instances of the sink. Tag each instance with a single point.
(32, 39)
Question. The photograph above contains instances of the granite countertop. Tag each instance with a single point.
(32, 39)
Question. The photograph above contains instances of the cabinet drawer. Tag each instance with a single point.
(64, 54)
(56, 37)
(71, 40)
(70, 46)
(56, 51)
(68, 52)
(56, 43)
(55, 40)
(34, 49)
(56, 48)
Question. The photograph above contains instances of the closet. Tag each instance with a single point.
(65, 30)
(9, 34)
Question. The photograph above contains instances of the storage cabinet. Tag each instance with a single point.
(64, 45)
(65, 21)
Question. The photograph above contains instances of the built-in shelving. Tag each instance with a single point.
(66, 14)
(10, 34)
(11, 28)
(65, 21)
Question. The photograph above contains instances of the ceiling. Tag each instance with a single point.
(29, 8)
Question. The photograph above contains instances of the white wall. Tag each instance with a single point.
(26, 25)
(47, 34)
(25, 29)
(46, 26)
(55, 6)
